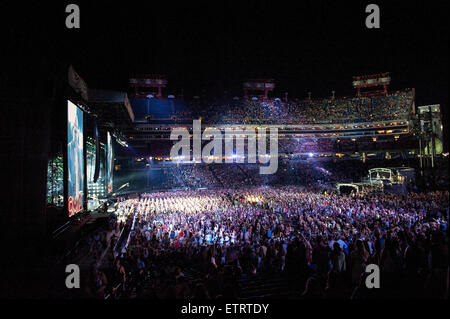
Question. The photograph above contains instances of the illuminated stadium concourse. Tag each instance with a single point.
(180, 155)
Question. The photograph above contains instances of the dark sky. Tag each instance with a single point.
(305, 46)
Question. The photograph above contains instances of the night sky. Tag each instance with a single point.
(213, 46)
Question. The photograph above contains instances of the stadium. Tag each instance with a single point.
(336, 157)
(141, 182)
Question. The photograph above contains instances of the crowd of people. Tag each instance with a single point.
(199, 230)
(323, 173)
(393, 106)
(192, 177)
(199, 244)
(295, 145)
(210, 176)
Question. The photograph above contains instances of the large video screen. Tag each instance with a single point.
(75, 164)
(109, 162)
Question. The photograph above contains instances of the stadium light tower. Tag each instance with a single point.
(146, 84)
(430, 121)
(371, 81)
(259, 86)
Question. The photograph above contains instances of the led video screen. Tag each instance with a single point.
(75, 163)
(109, 162)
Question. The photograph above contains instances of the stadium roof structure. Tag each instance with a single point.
(111, 106)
